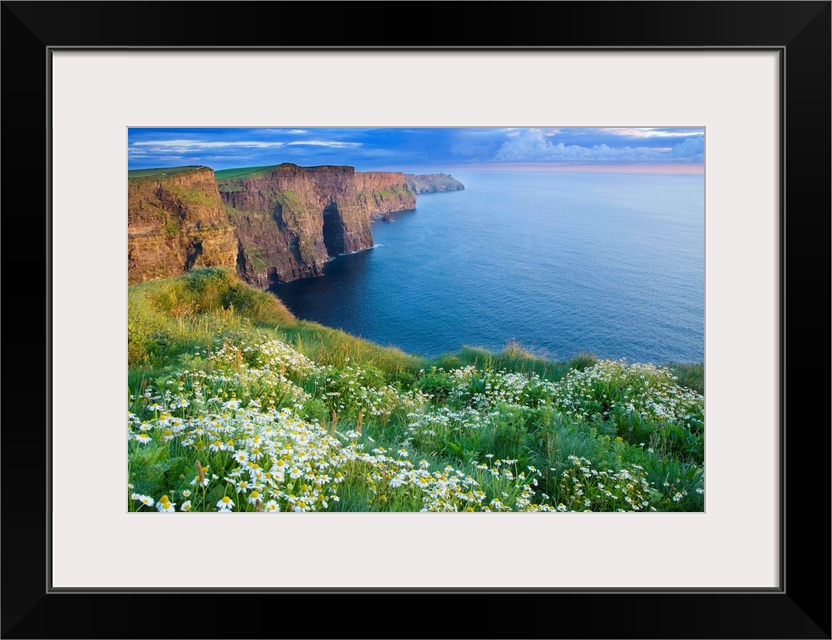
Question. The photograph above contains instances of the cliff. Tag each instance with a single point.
(432, 182)
(275, 224)
(176, 221)
(290, 220)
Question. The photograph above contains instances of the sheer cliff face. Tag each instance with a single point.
(290, 220)
(176, 221)
(275, 224)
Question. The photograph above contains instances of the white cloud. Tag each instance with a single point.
(692, 148)
(325, 143)
(647, 132)
(230, 157)
(534, 146)
(184, 145)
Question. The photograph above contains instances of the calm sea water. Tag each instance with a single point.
(561, 263)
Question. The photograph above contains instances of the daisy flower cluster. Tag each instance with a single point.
(351, 390)
(486, 389)
(432, 429)
(269, 370)
(584, 488)
(269, 458)
(229, 420)
(279, 356)
(395, 481)
(514, 485)
(279, 462)
(245, 428)
(613, 386)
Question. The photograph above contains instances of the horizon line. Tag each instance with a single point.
(669, 168)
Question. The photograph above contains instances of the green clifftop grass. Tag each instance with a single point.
(243, 172)
(162, 172)
(171, 317)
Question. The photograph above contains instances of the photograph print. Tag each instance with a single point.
(503, 319)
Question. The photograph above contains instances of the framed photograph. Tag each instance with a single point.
(738, 92)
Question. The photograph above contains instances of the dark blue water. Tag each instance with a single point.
(610, 264)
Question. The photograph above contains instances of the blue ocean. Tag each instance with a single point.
(557, 262)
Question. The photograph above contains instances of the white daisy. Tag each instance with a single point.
(145, 500)
(165, 506)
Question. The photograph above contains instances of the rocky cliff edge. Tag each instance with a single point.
(274, 224)
(176, 221)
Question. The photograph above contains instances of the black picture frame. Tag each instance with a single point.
(799, 608)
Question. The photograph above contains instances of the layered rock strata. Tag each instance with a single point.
(291, 220)
(176, 221)
(275, 224)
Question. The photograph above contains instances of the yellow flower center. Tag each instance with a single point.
(255, 494)
(226, 499)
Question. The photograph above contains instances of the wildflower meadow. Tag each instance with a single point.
(233, 410)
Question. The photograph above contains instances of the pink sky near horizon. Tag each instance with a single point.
(670, 168)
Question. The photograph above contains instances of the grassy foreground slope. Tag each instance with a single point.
(235, 405)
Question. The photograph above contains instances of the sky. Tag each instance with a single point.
(653, 149)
